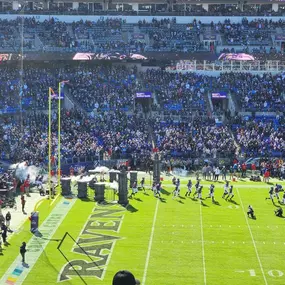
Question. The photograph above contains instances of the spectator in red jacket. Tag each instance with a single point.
(22, 189)
(243, 170)
(253, 168)
(27, 185)
(266, 176)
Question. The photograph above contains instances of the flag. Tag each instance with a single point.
(52, 93)
(62, 84)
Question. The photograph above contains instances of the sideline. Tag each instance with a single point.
(17, 272)
(150, 243)
(37, 205)
(20, 226)
(253, 240)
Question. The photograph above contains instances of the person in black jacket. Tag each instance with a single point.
(23, 251)
(8, 219)
(4, 233)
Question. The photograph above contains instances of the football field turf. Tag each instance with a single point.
(162, 241)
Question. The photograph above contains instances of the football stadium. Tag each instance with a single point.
(142, 142)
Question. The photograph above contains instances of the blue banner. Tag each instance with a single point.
(143, 94)
(173, 107)
(219, 95)
(27, 101)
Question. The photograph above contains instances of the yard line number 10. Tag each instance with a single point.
(272, 273)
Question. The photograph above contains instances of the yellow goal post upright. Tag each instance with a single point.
(58, 97)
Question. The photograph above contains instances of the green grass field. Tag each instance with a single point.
(167, 241)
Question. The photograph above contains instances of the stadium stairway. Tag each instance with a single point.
(70, 101)
(38, 43)
(210, 107)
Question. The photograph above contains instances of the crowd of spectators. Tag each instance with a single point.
(112, 135)
(29, 86)
(255, 92)
(103, 87)
(116, 35)
(185, 139)
(248, 33)
(7, 34)
(112, 126)
(108, 87)
(171, 10)
(177, 91)
(117, 135)
(260, 137)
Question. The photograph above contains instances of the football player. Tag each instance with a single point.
(226, 189)
(231, 194)
(271, 192)
(189, 188)
(211, 192)
(250, 212)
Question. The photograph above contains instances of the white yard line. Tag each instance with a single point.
(202, 242)
(150, 243)
(253, 241)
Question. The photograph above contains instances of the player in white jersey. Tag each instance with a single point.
(142, 184)
(277, 190)
(134, 189)
(175, 192)
(211, 192)
(199, 192)
(197, 185)
(231, 193)
(226, 189)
